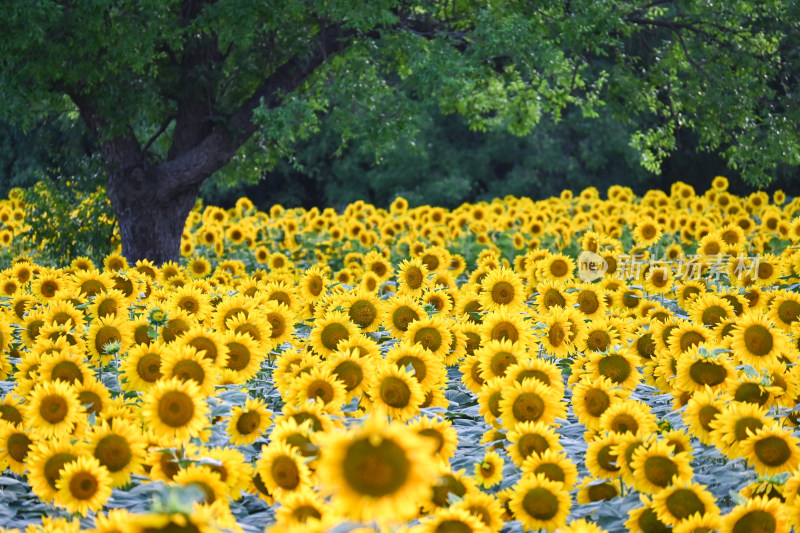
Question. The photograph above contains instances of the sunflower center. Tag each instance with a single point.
(765, 271)
(556, 335)
(321, 390)
(395, 392)
(751, 393)
(756, 521)
(531, 443)
(113, 452)
(588, 301)
(148, 367)
(606, 459)
(596, 401)
(238, 356)
(540, 503)
(305, 512)
(528, 406)
(54, 465)
(175, 409)
(174, 328)
(435, 435)
(351, 374)
(706, 415)
(363, 313)
(500, 362)
(624, 423)
(689, 339)
(502, 293)
(660, 470)
(598, 341)
(789, 311)
(278, 324)
(285, 473)
(614, 367)
(18, 445)
(204, 344)
(10, 413)
(713, 314)
(187, 369)
(646, 346)
(494, 403)
(559, 268)
(448, 484)
(707, 373)
(429, 338)
(413, 277)
(683, 503)
(554, 298)
(105, 335)
(54, 408)
(248, 422)
(67, 371)
(758, 340)
(376, 470)
(533, 373)
(403, 316)
(602, 492)
(551, 471)
(649, 523)
(505, 331)
(773, 451)
(92, 400)
(83, 486)
(420, 369)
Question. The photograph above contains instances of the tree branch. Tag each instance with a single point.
(157, 134)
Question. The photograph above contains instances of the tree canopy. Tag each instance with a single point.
(173, 91)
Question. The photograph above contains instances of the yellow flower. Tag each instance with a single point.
(396, 392)
(489, 472)
(657, 466)
(540, 503)
(772, 450)
(53, 410)
(175, 409)
(247, 423)
(502, 287)
(84, 485)
(529, 401)
(120, 448)
(759, 513)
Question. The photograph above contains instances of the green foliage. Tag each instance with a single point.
(68, 221)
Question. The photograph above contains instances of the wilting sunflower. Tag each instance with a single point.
(657, 466)
(756, 342)
(119, 448)
(379, 471)
(247, 423)
(680, 501)
(529, 401)
(440, 432)
(84, 485)
(772, 450)
(761, 514)
(175, 409)
(396, 391)
(555, 466)
(540, 503)
(52, 410)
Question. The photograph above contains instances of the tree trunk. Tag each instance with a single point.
(151, 217)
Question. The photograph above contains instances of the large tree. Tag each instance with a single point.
(172, 89)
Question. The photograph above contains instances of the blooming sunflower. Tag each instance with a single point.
(756, 342)
(556, 267)
(540, 503)
(175, 409)
(556, 466)
(364, 309)
(618, 367)
(485, 507)
(354, 371)
(657, 466)
(105, 333)
(208, 482)
(15, 443)
(502, 288)
(784, 309)
(591, 490)
(141, 367)
(645, 519)
(628, 416)
(378, 471)
(679, 501)
(321, 385)
(45, 462)
(396, 391)
(247, 423)
(529, 401)
(244, 358)
(502, 324)
(452, 519)
(120, 448)
(187, 364)
(399, 312)
(771, 450)
(442, 434)
(84, 485)
(52, 410)
(427, 369)
(757, 514)
(699, 367)
(412, 277)
(432, 333)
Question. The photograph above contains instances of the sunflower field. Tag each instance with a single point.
(574, 364)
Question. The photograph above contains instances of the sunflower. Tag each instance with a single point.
(318, 385)
(330, 330)
(64, 313)
(314, 283)
(483, 506)
(48, 285)
(657, 466)
(187, 364)
(699, 367)
(399, 312)
(618, 367)
(540, 503)
(628, 416)
(688, 290)
(502, 288)
(755, 342)
(557, 332)
(547, 372)
(772, 450)
(556, 466)
(191, 300)
(229, 464)
(529, 401)
(378, 471)
(304, 511)
(784, 309)
(601, 461)
(680, 501)
(355, 372)
(68, 366)
(645, 519)
(15, 443)
(684, 336)
(244, 358)
(247, 423)
(427, 370)
(363, 308)
(472, 372)
(84, 485)
(52, 410)
(710, 309)
(175, 409)
(556, 267)
(701, 410)
(593, 397)
(489, 472)
(761, 514)
(208, 483)
(452, 519)
(141, 367)
(119, 448)
(496, 356)
(502, 324)
(45, 463)
(432, 333)
(442, 434)
(396, 391)
(106, 335)
(93, 396)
